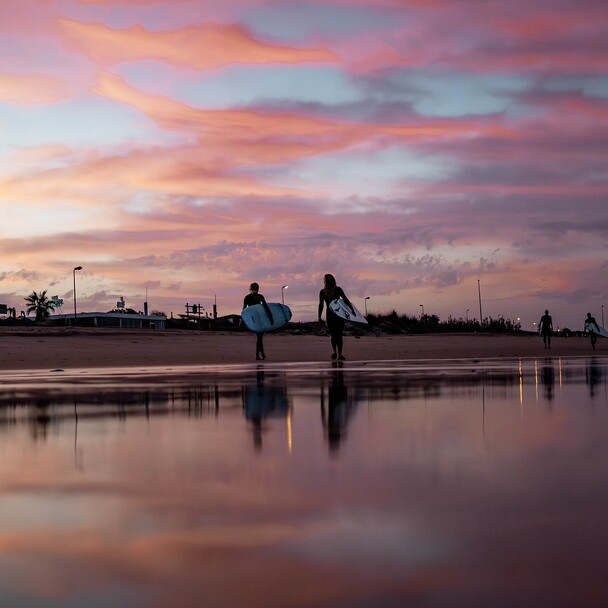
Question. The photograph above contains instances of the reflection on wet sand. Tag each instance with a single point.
(593, 373)
(336, 408)
(416, 487)
(548, 378)
(262, 402)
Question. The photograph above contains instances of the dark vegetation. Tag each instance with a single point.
(379, 324)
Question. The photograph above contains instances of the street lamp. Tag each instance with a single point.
(422, 306)
(467, 315)
(74, 275)
(368, 297)
(282, 289)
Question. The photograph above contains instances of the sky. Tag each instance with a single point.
(422, 151)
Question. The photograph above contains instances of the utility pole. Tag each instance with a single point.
(480, 313)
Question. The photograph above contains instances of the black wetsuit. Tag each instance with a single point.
(335, 324)
(252, 299)
(546, 327)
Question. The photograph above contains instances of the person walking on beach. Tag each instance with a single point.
(330, 292)
(251, 299)
(591, 327)
(545, 328)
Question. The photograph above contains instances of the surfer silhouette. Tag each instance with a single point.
(590, 326)
(335, 324)
(545, 328)
(255, 297)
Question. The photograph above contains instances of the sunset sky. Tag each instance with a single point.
(410, 147)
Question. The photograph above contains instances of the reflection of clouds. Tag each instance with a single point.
(361, 539)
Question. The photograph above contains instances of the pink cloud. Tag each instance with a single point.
(257, 137)
(31, 90)
(204, 47)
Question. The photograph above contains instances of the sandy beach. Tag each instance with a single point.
(49, 348)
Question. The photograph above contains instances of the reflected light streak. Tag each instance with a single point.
(289, 434)
(521, 384)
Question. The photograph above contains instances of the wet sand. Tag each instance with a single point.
(48, 348)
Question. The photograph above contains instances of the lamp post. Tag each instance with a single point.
(282, 290)
(467, 315)
(74, 276)
(602, 315)
(422, 306)
(366, 299)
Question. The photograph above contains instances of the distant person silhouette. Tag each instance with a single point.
(545, 328)
(335, 324)
(251, 299)
(591, 326)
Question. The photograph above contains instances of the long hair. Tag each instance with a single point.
(330, 284)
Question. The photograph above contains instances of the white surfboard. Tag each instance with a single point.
(256, 319)
(341, 309)
(596, 329)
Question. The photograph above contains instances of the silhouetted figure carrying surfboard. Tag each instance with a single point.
(335, 324)
(592, 327)
(252, 298)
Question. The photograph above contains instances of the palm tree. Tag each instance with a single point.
(40, 304)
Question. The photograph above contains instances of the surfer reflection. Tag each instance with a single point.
(261, 402)
(330, 292)
(337, 412)
(251, 299)
(547, 377)
(593, 375)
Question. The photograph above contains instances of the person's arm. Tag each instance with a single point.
(266, 308)
(321, 303)
(245, 303)
(343, 296)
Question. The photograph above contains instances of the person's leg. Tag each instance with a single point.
(333, 327)
(259, 347)
(338, 337)
(340, 342)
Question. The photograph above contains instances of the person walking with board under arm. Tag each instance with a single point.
(255, 297)
(330, 292)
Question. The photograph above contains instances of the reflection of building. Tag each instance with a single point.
(111, 319)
